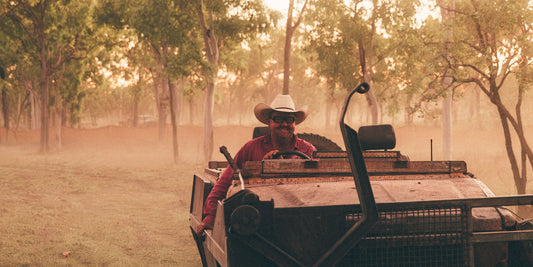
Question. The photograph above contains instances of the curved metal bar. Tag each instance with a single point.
(364, 191)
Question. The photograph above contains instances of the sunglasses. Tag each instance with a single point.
(280, 119)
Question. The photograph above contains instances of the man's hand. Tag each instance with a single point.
(270, 155)
(201, 227)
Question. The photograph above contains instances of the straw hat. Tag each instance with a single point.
(282, 103)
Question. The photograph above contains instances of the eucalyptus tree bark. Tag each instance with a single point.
(33, 103)
(447, 108)
(330, 84)
(366, 69)
(5, 111)
(487, 40)
(212, 54)
(509, 122)
(447, 123)
(289, 32)
(37, 33)
(161, 89)
(518, 110)
(4, 104)
(172, 94)
(58, 108)
(45, 99)
(137, 91)
(367, 76)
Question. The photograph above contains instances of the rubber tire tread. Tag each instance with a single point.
(321, 143)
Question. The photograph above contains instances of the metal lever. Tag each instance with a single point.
(228, 157)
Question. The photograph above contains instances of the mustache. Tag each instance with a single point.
(284, 127)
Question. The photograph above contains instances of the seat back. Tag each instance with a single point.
(376, 137)
(260, 131)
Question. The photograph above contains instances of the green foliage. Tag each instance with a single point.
(131, 39)
(340, 28)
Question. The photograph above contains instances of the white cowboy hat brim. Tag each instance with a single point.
(282, 103)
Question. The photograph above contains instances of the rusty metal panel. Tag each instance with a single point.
(217, 164)
(381, 154)
(341, 167)
(386, 191)
(252, 169)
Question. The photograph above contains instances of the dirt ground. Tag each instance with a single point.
(113, 195)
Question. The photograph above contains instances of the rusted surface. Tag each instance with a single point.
(217, 164)
(341, 167)
(385, 191)
(369, 155)
(343, 192)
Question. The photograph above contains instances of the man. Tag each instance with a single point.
(281, 116)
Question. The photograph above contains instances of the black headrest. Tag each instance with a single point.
(260, 131)
(375, 137)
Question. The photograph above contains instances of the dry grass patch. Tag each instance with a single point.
(94, 207)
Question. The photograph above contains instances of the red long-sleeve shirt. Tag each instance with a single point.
(254, 150)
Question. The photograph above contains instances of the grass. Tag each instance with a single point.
(94, 208)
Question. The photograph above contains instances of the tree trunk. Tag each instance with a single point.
(191, 111)
(212, 54)
(45, 100)
(156, 80)
(447, 126)
(33, 104)
(367, 76)
(35, 111)
(5, 112)
(172, 95)
(289, 31)
(59, 122)
(330, 85)
(137, 91)
(161, 94)
(208, 118)
(519, 183)
(179, 101)
(164, 102)
(448, 101)
(59, 108)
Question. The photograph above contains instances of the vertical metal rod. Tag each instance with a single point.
(431, 145)
(367, 202)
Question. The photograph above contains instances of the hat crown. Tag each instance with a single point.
(283, 102)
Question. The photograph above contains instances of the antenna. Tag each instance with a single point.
(431, 146)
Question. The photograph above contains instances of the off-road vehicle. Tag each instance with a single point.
(366, 206)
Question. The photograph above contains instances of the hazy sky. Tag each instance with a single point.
(281, 5)
(427, 8)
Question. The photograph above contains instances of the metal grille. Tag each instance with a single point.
(429, 236)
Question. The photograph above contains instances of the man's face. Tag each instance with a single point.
(282, 124)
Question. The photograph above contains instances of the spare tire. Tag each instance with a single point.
(321, 143)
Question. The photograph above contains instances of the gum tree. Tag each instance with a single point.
(491, 43)
(53, 33)
(223, 25)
